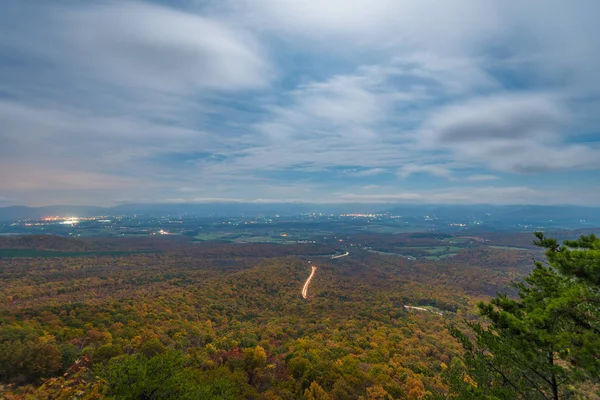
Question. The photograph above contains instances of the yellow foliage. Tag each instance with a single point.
(316, 392)
(469, 380)
(210, 348)
(377, 392)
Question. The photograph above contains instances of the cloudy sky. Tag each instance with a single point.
(466, 101)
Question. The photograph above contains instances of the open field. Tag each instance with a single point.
(210, 236)
(511, 248)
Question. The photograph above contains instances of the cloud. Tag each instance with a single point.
(509, 132)
(504, 117)
(498, 195)
(436, 170)
(152, 46)
(235, 200)
(266, 99)
(482, 178)
(143, 46)
(369, 187)
(468, 195)
(98, 91)
(378, 23)
(549, 44)
(345, 106)
(29, 177)
(362, 121)
(6, 201)
(79, 139)
(369, 172)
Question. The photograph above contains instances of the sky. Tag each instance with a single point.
(326, 101)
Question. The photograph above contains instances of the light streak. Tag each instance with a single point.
(305, 288)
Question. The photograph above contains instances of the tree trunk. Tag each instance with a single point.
(553, 379)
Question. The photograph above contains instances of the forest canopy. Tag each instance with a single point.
(228, 322)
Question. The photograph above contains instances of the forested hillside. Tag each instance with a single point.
(228, 321)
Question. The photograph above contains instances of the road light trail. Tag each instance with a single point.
(422, 309)
(305, 288)
(341, 255)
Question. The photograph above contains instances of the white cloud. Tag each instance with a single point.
(556, 41)
(507, 132)
(364, 119)
(102, 91)
(499, 195)
(502, 117)
(378, 23)
(482, 178)
(368, 172)
(156, 47)
(345, 106)
(143, 46)
(66, 137)
(31, 177)
(267, 99)
(381, 198)
(475, 195)
(369, 187)
(437, 170)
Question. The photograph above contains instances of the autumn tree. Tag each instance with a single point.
(316, 392)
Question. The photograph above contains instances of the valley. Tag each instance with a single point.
(230, 319)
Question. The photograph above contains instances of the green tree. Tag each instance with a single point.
(542, 344)
(165, 376)
(152, 347)
(28, 361)
(68, 355)
(138, 377)
(579, 260)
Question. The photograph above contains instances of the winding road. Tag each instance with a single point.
(422, 309)
(341, 255)
(312, 273)
(305, 288)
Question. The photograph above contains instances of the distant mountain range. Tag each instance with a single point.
(511, 212)
(483, 212)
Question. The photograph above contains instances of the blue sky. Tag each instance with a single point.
(469, 101)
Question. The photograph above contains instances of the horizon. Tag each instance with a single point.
(260, 202)
(307, 102)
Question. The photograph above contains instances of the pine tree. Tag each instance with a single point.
(541, 345)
